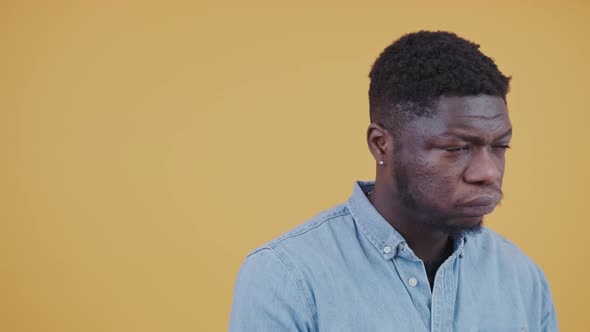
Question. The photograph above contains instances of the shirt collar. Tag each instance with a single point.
(386, 239)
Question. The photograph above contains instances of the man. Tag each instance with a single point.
(409, 252)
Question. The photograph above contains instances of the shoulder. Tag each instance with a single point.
(277, 270)
(500, 260)
(309, 249)
(303, 245)
(268, 296)
(490, 242)
(319, 228)
(493, 248)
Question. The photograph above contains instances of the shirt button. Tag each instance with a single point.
(387, 249)
(413, 282)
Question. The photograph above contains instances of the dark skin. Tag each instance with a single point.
(441, 174)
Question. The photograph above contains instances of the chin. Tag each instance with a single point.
(468, 221)
(464, 226)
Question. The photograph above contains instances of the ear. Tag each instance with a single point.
(380, 142)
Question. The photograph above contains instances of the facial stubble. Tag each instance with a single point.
(412, 202)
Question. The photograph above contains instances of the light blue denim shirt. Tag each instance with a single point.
(347, 269)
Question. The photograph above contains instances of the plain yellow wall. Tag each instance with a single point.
(147, 147)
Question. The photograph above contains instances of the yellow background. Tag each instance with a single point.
(147, 147)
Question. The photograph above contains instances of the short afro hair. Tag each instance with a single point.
(417, 69)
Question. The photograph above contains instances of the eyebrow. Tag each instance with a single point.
(477, 139)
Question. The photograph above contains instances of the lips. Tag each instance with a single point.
(479, 206)
(481, 201)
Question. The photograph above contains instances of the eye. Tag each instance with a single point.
(501, 147)
(458, 148)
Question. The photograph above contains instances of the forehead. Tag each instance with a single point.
(480, 115)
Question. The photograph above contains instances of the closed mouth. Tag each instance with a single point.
(479, 206)
(481, 201)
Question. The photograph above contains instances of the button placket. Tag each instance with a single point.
(412, 277)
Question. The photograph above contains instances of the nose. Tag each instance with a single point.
(484, 168)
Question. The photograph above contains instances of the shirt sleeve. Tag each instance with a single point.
(549, 320)
(267, 297)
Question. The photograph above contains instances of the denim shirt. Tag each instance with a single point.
(348, 269)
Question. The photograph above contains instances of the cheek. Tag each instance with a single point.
(436, 178)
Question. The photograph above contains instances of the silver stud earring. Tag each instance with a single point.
(381, 162)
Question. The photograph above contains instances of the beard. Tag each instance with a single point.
(413, 202)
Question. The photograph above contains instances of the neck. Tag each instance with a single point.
(428, 243)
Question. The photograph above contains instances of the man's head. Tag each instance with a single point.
(440, 124)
